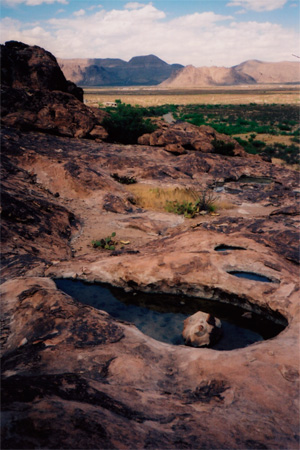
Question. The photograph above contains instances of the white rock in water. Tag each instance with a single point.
(201, 330)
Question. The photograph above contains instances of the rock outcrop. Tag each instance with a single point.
(181, 136)
(36, 96)
(32, 67)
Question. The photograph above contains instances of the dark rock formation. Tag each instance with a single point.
(31, 67)
(36, 96)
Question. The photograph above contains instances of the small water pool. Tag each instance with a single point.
(251, 276)
(161, 316)
(224, 248)
(254, 180)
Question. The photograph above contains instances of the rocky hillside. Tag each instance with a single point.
(249, 72)
(140, 70)
(191, 76)
(270, 72)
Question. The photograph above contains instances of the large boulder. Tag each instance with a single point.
(32, 67)
(201, 330)
(36, 95)
(182, 136)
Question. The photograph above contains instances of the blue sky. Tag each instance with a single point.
(197, 32)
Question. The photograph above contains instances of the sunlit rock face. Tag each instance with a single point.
(201, 330)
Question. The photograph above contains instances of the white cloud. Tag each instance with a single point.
(198, 39)
(258, 5)
(134, 5)
(80, 12)
(32, 2)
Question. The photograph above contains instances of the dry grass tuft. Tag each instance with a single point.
(153, 197)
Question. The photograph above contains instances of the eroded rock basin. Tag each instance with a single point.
(161, 316)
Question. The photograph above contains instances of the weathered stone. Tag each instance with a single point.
(32, 67)
(176, 149)
(186, 136)
(36, 96)
(201, 330)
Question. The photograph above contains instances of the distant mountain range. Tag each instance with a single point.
(150, 71)
(249, 72)
(139, 71)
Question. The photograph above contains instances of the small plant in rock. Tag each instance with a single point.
(204, 202)
(107, 243)
(123, 179)
(187, 209)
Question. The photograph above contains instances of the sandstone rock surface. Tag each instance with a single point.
(181, 136)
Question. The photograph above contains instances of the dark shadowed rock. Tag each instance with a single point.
(32, 67)
(36, 96)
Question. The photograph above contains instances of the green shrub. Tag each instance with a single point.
(205, 202)
(126, 124)
(223, 148)
(106, 243)
(123, 179)
(188, 209)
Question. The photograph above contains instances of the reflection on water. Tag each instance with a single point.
(161, 316)
(251, 276)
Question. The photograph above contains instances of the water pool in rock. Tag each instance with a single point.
(161, 316)
(251, 276)
(225, 247)
(255, 180)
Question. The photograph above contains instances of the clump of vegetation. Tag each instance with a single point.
(123, 179)
(205, 202)
(288, 153)
(126, 124)
(223, 148)
(158, 111)
(188, 209)
(153, 197)
(178, 200)
(107, 243)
